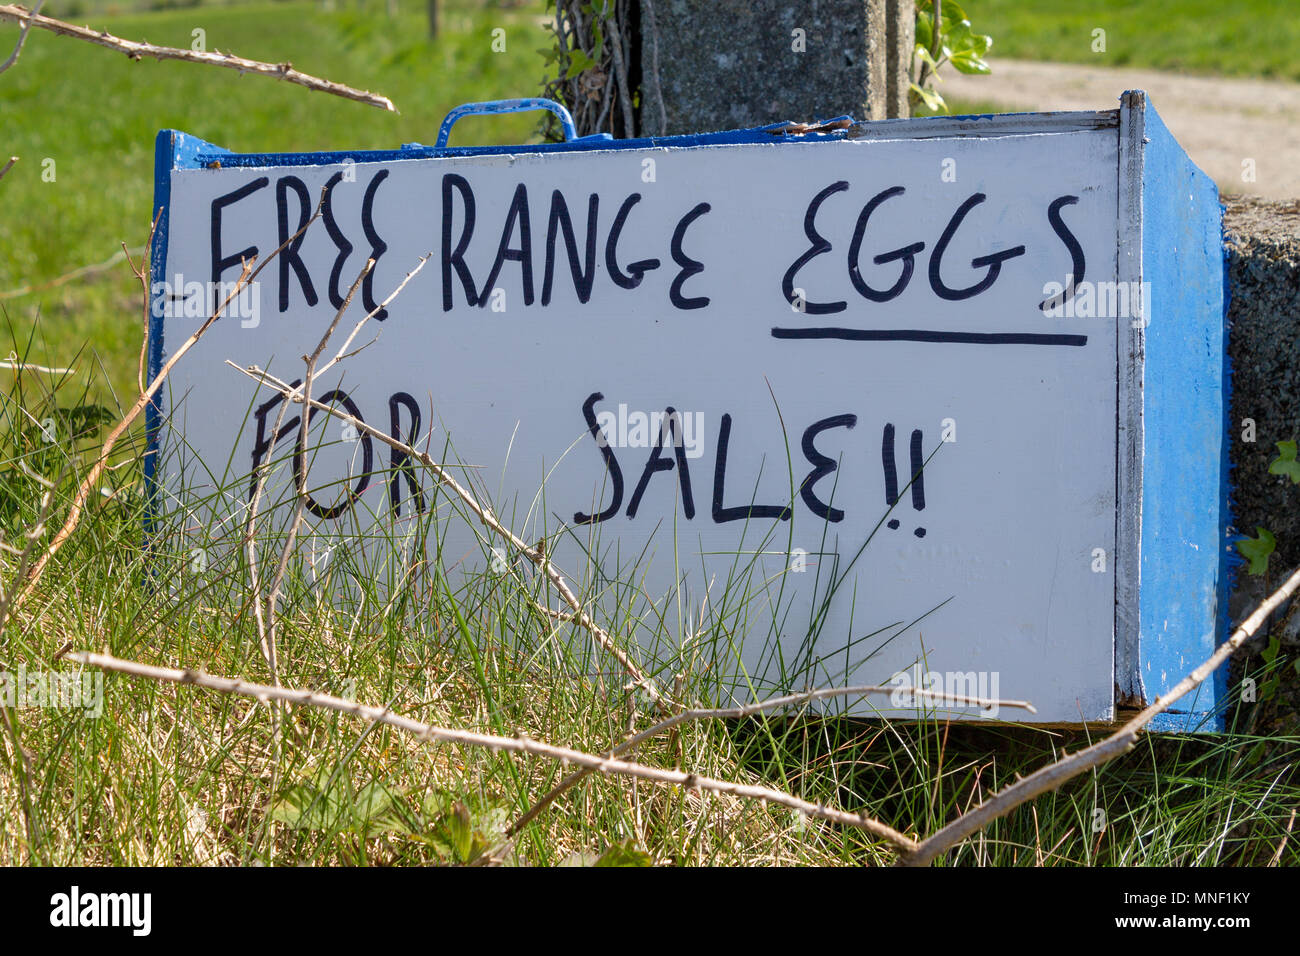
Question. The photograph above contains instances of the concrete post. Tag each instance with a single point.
(725, 64)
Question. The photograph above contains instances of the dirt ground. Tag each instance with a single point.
(1221, 123)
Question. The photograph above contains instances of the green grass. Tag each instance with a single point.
(95, 114)
(1246, 38)
(177, 775)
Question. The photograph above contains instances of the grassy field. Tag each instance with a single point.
(1247, 38)
(95, 113)
(179, 775)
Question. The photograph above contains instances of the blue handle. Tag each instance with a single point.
(507, 106)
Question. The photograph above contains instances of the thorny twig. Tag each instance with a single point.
(137, 51)
(18, 47)
(518, 744)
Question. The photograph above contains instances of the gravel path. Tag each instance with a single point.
(1220, 122)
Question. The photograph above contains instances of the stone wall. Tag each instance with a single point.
(1262, 242)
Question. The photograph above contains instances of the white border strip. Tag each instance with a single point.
(1131, 338)
(1006, 124)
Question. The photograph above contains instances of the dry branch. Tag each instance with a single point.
(1054, 775)
(534, 554)
(12, 363)
(136, 51)
(18, 49)
(520, 744)
(748, 710)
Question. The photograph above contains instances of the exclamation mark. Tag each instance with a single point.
(891, 474)
(891, 471)
(918, 477)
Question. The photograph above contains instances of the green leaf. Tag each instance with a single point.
(931, 98)
(924, 55)
(1269, 688)
(1285, 463)
(624, 854)
(375, 807)
(923, 30)
(969, 63)
(303, 807)
(1269, 654)
(579, 62)
(460, 830)
(951, 11)
(1257, 550)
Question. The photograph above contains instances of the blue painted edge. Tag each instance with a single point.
(172, 150)
(1186, 570)
(758, 135)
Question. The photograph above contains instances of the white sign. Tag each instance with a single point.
(709, 372)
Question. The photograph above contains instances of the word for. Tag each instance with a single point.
(400, 465)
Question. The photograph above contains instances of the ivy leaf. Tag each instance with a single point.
(952, 13)
(1269, 654)
(1285, 462)
(1257, 550)
(931, 98)
(967, 62)
(579, 62)
(923, 33)
(923, 54)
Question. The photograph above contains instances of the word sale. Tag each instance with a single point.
(669, 454)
